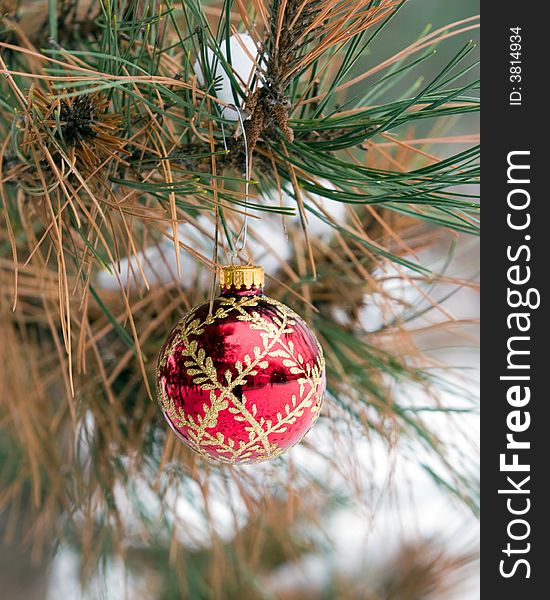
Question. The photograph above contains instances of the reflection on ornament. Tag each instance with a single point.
(241, 380)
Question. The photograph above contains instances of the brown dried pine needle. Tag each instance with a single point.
(81, 125)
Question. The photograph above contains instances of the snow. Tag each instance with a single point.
(242, 56)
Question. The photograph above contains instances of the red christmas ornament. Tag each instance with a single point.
(242, 380)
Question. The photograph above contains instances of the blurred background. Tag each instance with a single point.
(359, 510)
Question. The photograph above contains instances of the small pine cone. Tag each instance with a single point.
(252, 102)
(255, 129)
(281, 116)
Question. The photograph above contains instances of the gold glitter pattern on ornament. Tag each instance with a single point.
(222, 393)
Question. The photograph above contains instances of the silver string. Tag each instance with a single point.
(243, 233)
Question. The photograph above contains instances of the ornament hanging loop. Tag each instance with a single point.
(239, 243)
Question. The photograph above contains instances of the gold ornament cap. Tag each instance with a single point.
(238, 277)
